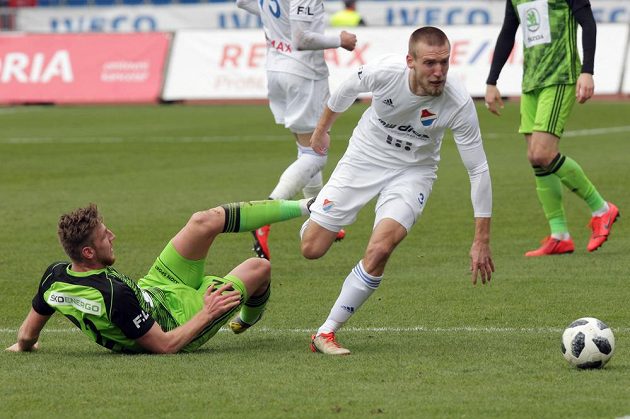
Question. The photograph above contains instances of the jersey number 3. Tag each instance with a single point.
(274, 7)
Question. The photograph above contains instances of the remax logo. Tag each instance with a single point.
(427, 118)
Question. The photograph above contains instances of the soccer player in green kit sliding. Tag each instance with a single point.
(175, 307)
(553, 79)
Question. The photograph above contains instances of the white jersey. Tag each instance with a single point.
(282, 55)
(401, 128)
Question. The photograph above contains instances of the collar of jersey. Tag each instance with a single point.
(83, 274)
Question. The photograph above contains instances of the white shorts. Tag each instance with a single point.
(296, 102)
(402, 193)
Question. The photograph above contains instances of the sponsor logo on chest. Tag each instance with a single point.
(81, 304)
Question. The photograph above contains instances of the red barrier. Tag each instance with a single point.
(85, 68)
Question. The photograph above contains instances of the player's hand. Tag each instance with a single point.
(216, 303)
(348, 40)
(584, 88)
(17, 348)
(493, 99)
(481, 264)
(320, 142)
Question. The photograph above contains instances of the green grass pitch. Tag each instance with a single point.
(427, 344)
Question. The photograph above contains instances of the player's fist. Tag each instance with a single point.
(348, 40)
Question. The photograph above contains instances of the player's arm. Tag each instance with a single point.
(585, 86)
(250, 6)
(502, 51)
(338, 103)
(29, 331)
(468, 139)
(303, 37)
(216, 303)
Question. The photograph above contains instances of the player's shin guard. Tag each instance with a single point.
(549, 190)
(356, 289)
(313, 186)
(299, 173)
(573, 177)
(248, 216)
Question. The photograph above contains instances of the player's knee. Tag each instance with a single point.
(311, 250)
(209, 221)
(537, 160)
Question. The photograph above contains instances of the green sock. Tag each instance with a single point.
(574, 178)
(549, 190)
(248, 216)
(253, 308)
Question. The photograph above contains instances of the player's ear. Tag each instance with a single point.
(88, 252)
(409, 61)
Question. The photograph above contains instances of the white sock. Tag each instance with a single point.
(603, 210)
(356, 289)
(303, 206)
(299, 173)
(314, 185)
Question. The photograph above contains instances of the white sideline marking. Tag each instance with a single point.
(415, 329)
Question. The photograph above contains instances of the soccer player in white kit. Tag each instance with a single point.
(297, 85)
(393, 154)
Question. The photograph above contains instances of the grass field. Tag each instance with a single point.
(427, 344)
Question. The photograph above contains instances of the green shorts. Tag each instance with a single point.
(547, 109)
(179, 285)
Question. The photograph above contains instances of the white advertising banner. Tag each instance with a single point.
(216, 65)
(172, 17)
(625, 89)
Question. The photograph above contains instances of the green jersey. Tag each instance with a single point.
(106, 305)
(549, 43)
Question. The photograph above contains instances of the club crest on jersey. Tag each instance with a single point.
(427, 118)
(327, 206)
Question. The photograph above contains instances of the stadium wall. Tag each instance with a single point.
(230, 64)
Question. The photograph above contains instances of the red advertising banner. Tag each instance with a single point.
(82, 68)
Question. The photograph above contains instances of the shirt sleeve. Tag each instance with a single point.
(303, 37)
(467, 136)
(349, 90)
(505, 43)
(39, 303)
(584, 15)
(127, 314)
(250, 6)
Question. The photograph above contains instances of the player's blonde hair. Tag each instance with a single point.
(75, 230)
(429, 35)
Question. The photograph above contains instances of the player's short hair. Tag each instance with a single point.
(75, 230)
(429, 35)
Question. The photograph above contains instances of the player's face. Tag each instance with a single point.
(103, 245)
(428, 69)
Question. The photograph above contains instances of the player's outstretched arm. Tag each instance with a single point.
(28, 334)
(303, 37)
(216, 303)
(481, 264)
